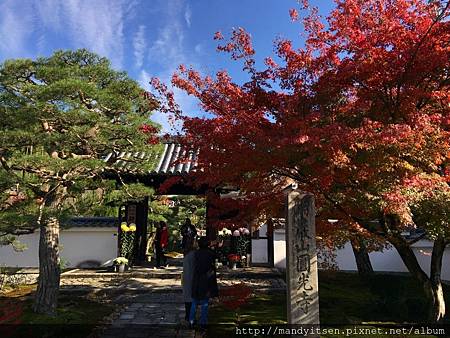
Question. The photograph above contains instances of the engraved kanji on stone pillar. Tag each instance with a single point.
(301, 255)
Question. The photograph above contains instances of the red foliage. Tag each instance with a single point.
(234, 257)
(10, 313)
(293, 14)
(151, 131)
(168, 183)
(233, 297)
(359, 115)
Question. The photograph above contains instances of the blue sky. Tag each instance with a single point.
(146, 37)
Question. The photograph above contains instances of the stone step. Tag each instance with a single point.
(124, 275)
(167, 274)
(118, 290)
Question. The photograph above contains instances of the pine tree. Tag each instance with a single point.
(60, 116)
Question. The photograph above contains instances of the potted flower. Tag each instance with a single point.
(120, 263)
(243, 246)
(127, 239)
(233, 259)
(225, 232)
(224, 245)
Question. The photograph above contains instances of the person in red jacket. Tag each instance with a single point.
(161, 242)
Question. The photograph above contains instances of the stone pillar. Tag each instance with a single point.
(301, 259)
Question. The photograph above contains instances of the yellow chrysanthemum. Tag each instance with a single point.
(124, 227)
(132, 227)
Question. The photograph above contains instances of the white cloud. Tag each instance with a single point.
(168, 49)
(168, 46)
(15, 23)
(188, 15)
(139, 46)
(169, 52)
(144, 80)
(95, 25)
(48, 14)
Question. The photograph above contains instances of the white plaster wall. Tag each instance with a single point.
(26, 258)
(96, 244)
(259, 251)
(259, 247)
(279, 249)
(387, 260)
(77, 245)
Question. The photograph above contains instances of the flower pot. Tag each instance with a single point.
(233, 265)
(122, 268)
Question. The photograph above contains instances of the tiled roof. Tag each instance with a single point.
(169, 161)
(92, 222)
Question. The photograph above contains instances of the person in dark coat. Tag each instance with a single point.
(189, 233)
(204, 282)
(161, 242)
(188, 274)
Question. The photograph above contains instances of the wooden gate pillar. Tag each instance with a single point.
(137, 213)
(211, 231)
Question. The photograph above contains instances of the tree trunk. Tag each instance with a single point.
(431, 286)
(362, 258)
(437, 312)
(46, 300)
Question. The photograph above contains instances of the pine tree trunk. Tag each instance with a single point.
(46, 300)
(362, 258)
(431, 286)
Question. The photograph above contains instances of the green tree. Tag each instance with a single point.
(182, 207)
(60, 116)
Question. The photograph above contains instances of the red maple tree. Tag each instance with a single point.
(357, 115)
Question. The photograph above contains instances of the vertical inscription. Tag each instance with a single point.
(131, 214)
(303, 260)
(301, 268)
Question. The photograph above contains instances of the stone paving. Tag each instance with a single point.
(158, 310)
(150, 301)
(151, 315)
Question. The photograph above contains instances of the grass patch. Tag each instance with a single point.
(73, 310)
(260, 309)
(76, 315)
(344, 298)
